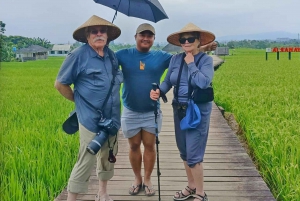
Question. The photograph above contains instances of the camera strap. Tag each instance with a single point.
(114, 68)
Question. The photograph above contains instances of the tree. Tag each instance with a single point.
(2, 30)
(2, 27)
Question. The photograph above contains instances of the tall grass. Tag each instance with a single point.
(264, 96)
(36, 156)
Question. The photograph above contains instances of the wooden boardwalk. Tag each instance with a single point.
(229, 173)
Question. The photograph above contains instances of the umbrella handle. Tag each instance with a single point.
(116, 12)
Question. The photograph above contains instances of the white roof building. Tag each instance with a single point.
(60, 50)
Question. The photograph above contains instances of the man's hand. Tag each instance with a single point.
(213, 46)
(209, 47)
(154, 95)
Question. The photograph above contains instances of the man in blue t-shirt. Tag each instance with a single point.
(141, 67)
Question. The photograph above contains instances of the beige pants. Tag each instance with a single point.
(78, 181)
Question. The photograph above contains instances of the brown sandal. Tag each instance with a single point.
(181, 196)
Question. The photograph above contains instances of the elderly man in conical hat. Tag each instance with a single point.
(93, 70)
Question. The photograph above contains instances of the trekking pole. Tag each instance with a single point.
(154, 87)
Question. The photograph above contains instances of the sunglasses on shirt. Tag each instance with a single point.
(190, 40)
(94, 31)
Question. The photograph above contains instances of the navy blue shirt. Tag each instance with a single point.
(91, 75)
(140, 70)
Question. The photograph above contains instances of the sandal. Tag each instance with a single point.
(200, 197)
(180, 196)
(151, 190)
(133, 190)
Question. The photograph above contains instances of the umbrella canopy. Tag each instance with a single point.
(145, 9)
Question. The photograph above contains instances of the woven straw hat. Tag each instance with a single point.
(206, 37)
(113, 31)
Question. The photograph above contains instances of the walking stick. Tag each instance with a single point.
(154, 87)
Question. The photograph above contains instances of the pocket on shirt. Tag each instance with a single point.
(95, 75)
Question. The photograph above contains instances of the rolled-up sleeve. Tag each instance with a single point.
(68, 71)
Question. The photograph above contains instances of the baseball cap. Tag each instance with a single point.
(145, 27)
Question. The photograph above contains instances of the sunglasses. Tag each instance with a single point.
(190, 40)
(94, 31)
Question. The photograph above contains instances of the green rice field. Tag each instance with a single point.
(264, 98)
(37, 156)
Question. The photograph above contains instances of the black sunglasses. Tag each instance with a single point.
(94, 31)
(190, 40)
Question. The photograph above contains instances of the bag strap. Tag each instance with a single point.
(114, 68)
(178, 78)
(190, 91)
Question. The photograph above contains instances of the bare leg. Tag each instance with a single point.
(72, 196)
(102, 188)
(135, 157)
(149, 157)
(191, 183)
(102, 193)
(197, 172)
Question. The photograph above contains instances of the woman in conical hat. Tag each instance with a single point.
(197, 66)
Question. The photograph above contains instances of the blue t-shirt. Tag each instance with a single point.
(92, 76)
(140, 70)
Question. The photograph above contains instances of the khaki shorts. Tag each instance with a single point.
(78, 181)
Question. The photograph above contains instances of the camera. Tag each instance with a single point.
(106, 128)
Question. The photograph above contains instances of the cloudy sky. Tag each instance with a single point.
(57, 19)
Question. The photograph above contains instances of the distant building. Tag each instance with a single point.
(60, 50)
(221, 51)
(172, 48)
(33, 52)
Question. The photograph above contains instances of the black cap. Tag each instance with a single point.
(71, 126)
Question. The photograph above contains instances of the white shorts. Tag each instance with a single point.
(133, 122)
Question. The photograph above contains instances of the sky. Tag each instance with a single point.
(56, 20)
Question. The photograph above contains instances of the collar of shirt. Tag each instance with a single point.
(93, 53)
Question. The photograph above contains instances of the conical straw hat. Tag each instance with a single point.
(206, 37)
(113, 31)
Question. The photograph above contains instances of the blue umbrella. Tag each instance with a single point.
(145, 9)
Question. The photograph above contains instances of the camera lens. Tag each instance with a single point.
(95, 145)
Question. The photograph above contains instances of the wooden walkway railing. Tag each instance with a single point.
(229, 173)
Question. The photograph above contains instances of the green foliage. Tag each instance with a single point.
(75, 45)
(2, 30)
(8, 42)
(116, 47)
(260, 44)
(2, 27)
(264, 97)
(36, 155)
